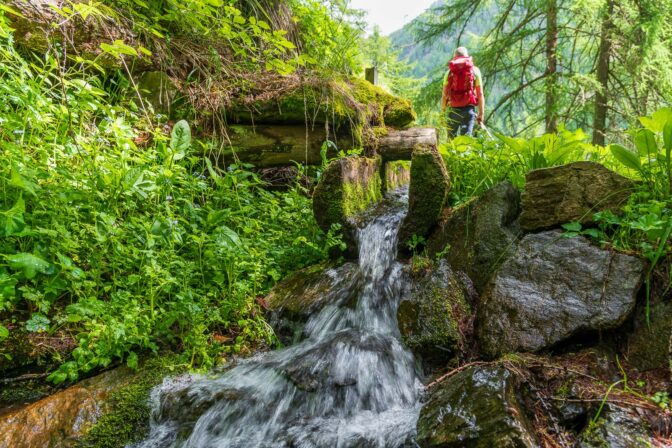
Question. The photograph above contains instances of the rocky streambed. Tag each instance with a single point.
(505, 332)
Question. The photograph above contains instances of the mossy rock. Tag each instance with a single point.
(292, 301)
(648, 345)
(157, 89)
(572, 192)
(348, 187)
(434, 314)
(478, 236)
(427, 195)
(476, 408)
(616, 428)
(127, 416)
(117, 399)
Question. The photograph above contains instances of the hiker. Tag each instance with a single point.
(462, 92)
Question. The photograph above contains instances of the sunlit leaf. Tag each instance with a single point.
(628, 158)
(28, 263)
(645, 141)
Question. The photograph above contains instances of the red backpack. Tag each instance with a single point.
(461, 82)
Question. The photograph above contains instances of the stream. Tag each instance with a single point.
(350, 383)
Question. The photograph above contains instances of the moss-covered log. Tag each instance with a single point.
(283, 145)
(352, 103)
(272, 146)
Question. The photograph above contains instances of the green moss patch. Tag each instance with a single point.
(127, 420)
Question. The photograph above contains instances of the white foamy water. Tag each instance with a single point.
(350, 383)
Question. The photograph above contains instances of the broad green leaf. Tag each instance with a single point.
(11, 11)
(572, 226)
(627, 158)
(228, 237)
(180, 137)
(27, 263)
(19, 181)
(667, 138)
(4, 332)
(513, 143)
(645, 141)
(12, 219)
(38, 323)
(658, 120)
(7, 288)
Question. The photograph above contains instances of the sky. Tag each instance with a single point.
(391, 15)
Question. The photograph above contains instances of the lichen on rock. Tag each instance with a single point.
(553, 288)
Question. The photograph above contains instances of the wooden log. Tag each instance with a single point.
(399, 145)
(272, 146)
(285, 145)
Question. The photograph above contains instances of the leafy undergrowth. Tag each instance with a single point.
(129, 244)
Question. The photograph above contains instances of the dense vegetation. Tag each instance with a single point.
(117, 234)
(120, 238)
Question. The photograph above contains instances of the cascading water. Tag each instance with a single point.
(350, 383)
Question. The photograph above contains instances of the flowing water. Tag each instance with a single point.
(350, 383)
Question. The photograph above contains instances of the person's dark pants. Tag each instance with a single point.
(461, 121)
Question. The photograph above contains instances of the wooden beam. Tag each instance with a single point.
(399, 145)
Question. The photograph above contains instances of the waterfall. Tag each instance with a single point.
(350, 383)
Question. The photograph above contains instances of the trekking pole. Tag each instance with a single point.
(487, 131)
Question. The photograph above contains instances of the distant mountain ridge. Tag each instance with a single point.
(425, 58)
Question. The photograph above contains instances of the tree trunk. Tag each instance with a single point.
(551, 66)
(602, 95)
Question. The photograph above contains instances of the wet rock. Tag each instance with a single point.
(434, 315)
(553, 288)
(573, 192)
(292, 301)
(158, 89)
(59, 419)
(479, 235)
(347, 188)
(476, 408)
(648, 345)
(427, 194)
(617, 428)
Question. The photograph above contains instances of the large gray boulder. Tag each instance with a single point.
(476, 408)
(553, 288)
(479, 235)
(434, 313)
(573, 192)
(427, 194)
